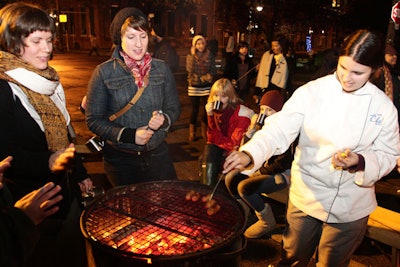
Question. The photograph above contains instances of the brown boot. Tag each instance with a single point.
(204, 131)
(192, 132)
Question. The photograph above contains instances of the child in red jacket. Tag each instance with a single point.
(228, 120)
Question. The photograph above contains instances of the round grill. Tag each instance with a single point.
(154, 221)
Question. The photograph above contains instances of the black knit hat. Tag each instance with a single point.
(119, 19)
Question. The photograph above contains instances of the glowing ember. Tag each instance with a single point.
(159, 221)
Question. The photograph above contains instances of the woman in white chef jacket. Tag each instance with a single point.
(349, 139)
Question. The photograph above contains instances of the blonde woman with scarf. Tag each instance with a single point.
(134, 131)
(34, 122)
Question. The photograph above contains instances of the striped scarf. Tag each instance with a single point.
(54, 123)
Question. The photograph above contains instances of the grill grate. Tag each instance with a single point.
(154, 219)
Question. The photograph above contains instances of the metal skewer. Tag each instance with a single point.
(245, 74)
(220, 178)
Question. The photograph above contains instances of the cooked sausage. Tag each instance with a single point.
(195, 196)
(206, 198)
(190, 194)
(210, 203)
(214, 209)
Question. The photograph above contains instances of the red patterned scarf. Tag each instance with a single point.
(140, 69)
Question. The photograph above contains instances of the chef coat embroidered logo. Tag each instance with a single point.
(376, 118)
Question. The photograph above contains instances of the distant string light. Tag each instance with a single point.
(335, 3)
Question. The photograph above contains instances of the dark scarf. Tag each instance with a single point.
(52, 118)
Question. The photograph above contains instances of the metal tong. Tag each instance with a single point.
(220, 178)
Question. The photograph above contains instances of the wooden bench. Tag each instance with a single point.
(383, 226)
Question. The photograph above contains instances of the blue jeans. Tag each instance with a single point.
(124, 168)
(250, 188)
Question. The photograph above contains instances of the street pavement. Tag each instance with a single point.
(75, 68)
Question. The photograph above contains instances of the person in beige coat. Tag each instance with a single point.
(273, 70)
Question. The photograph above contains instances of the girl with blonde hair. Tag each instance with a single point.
(228, 120)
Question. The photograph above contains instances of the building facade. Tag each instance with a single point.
(77, 20)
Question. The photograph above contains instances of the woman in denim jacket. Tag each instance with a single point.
(135, 149)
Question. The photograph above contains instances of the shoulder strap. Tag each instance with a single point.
(135, 98)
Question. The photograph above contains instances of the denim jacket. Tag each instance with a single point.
(112, 86)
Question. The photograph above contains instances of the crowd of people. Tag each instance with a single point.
(329, 141)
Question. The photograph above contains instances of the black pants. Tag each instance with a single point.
(123, 168)
(198, 102)
(213, 158)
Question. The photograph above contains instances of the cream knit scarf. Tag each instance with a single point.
(52, 118)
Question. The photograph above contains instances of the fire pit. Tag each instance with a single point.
(153, 223)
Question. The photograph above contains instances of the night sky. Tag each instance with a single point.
(372, 14)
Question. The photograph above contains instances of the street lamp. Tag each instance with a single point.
(259, 6)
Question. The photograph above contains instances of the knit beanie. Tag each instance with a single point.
(119, 19)
(389, 49)
(272, 99)
(196, 38)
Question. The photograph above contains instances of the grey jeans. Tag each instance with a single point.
(336, 242)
